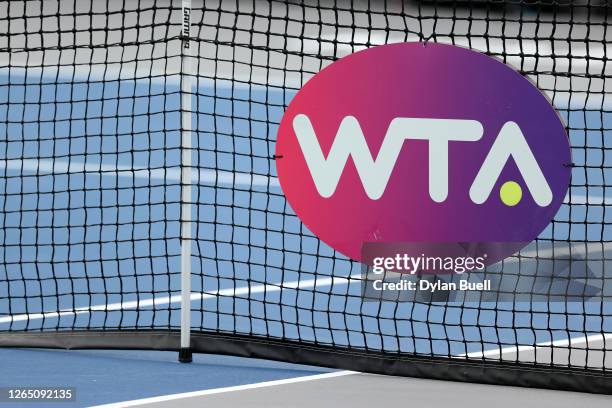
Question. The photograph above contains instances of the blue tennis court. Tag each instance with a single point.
(91, 229)
(95, 104)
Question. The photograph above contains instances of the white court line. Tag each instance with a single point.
(173, 174)
(166, 300)
(571, 341)
(213, 391)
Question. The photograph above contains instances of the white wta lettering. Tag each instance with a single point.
(375, 173)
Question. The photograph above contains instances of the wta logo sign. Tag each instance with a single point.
(422, 143)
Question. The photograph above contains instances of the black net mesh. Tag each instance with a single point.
(263, 274)
(90, 130)
(89, 155)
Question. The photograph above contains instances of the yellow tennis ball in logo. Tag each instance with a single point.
(511, 193)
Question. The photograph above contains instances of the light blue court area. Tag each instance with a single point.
(102, 377)
(90, 232)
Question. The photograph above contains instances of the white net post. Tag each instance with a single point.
(186, 78)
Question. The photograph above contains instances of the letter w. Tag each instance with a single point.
(374, 174)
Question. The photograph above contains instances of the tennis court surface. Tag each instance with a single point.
(92, 189)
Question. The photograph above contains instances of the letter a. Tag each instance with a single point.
(511, 143)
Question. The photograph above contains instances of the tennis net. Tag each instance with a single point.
(92, 188)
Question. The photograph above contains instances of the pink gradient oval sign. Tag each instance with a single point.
(422, 143)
